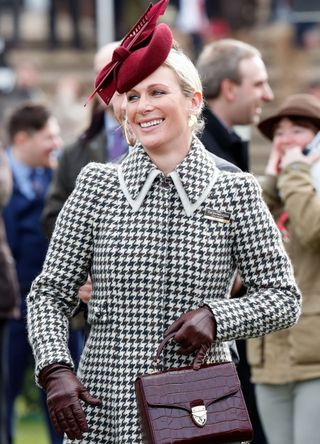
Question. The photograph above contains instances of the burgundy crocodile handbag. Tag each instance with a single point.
(183, 405)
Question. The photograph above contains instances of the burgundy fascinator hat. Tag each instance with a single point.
(141, 52)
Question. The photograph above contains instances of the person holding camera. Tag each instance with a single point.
(286, 364)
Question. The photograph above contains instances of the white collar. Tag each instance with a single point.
(193, 178)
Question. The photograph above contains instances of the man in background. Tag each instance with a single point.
(235, 85)
(34, 136)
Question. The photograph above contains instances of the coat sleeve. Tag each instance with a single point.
(272, 301)
(54, 293)
(302, 203)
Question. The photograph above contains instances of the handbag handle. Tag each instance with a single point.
(161, 346)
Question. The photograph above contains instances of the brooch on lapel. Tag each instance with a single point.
(217, 216)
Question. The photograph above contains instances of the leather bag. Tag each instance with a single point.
(184, 405)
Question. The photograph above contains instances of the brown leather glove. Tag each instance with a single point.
(64, 390)
(195, 331)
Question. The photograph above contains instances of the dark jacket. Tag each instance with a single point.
(90, 147)
(9, 292)
(25, 238)
(224, 143)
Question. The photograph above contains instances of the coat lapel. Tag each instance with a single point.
(193, 179)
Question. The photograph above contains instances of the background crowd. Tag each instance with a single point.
(53, 73)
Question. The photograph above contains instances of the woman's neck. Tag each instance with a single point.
(167, 160)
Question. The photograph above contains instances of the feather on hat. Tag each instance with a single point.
(144, 48)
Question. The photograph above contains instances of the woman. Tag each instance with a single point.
(162, 235)
(286, 364)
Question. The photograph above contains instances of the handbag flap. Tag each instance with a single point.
(186, 405)
(181, 388)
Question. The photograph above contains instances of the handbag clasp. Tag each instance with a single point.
(199, 415)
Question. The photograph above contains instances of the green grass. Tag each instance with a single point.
(30, 426)
(31, 431)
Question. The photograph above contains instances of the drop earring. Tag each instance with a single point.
(128, 133)
(192, 120)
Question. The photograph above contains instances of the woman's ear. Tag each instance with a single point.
(196, 102)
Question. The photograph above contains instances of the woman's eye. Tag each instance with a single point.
(157, 92)
(131, 97)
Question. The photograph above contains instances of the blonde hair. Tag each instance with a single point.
(188, 78)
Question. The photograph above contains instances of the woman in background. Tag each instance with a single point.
(286, 364)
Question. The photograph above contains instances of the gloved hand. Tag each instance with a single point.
(64, 390)
(195, 330)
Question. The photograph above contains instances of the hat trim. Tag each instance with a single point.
(266, 125)
(150, 15)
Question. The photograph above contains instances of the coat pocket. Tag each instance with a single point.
(255, 353)
(304, 340)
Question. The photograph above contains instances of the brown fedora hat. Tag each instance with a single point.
(306, 106)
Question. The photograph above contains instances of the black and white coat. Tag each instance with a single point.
(156, 247)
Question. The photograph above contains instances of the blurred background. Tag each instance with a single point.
(49, 45)
(47, 49)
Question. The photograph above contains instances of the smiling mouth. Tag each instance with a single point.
(151, 123)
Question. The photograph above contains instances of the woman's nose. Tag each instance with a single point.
(144, 104)
(287, 139)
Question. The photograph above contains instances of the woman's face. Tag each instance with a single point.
(158, 112)
(289, 134)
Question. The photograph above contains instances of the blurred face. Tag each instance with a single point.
(118, 104)
(252, 92)
(158, 112)
(40, 146)
(289, 134)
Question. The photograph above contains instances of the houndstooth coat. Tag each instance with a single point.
(156, 247)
